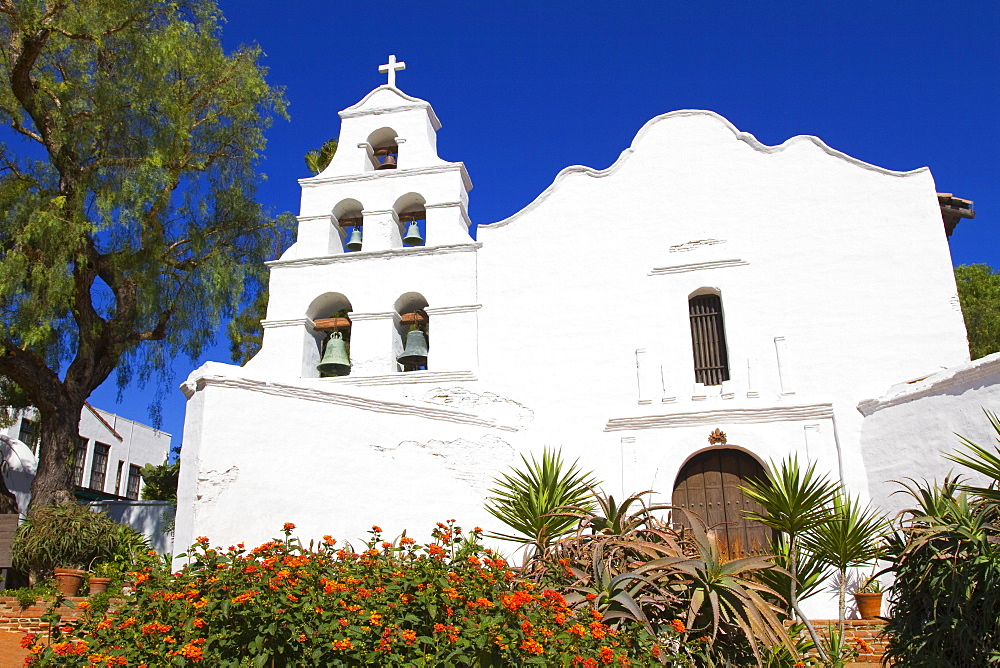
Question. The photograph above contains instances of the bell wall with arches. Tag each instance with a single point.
(626, 315)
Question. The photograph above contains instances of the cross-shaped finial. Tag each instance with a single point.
(390, 69)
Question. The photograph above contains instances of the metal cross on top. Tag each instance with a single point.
(390, 69)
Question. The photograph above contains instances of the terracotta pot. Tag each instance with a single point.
(869, 605)
(97, 585)
(68, 580)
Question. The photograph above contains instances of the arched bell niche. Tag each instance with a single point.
(413, 342)
(708, 485)
(348, 217)
(331, 329)
(385, 150)
(412, 213)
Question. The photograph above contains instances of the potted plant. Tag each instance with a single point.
(101, 576)
(61, 540)
(868, 598)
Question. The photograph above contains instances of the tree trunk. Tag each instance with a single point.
(60, 429)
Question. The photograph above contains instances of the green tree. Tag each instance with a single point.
(128, 225)
(161, 479)
(979, 293)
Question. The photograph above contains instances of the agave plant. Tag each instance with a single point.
(982, 460)
(525, 499)
(612, 518)
(726, 597)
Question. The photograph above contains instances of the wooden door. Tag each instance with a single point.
(709, 486)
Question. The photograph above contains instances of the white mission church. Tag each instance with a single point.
(792, 297)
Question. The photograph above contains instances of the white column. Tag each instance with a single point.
(373, 340)
(752, 366)
(319, 236)
(641, 372)
(447, 223)
(667, 395)
(812, 438)
(784, 374)
(381, 231)
(291, 348)
(453, 338)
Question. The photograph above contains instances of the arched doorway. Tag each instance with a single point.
(709, 486)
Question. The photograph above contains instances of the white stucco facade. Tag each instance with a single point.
(567, 324)
(117, 446)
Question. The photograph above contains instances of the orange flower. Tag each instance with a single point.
(289, 526)
(83, 605)
(376, 528)
(28, 639)
(406, 598)
(409, 637)
(577, 630)
(532, 646)
(678, 625)
(345, 643)
(598, 630)
(597, 614)
(199, 623)
(375, 619)
(606, 655)
(329, 540)
(864, 646)
(244, 597)
(560, 618)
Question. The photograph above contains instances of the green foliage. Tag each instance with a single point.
(447, 603)
(317, 159)
(946, 594)
(979, 294)
(609, 517)
(160, 481)
(525, 499)
(128, 225)
(982, 460)
(28, 596)
(726, 597)
(63, 536)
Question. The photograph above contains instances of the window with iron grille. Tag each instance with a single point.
(28, 434)
(99, 466)
(79, 459)
(133, 483)
(708, 339)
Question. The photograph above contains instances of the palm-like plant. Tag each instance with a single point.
(526, 499)
(794, 502)
(852, 536)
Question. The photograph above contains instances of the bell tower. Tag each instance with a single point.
(383, 251)
(385, 173)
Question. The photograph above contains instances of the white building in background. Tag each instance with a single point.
(702, 306)
(110, 452)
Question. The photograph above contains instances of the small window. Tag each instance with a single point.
(79, 459)
(29, 434)
(118, 476)
(708, 339)
(133, 483)
(99, 466)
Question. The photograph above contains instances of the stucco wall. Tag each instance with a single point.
(909, 429)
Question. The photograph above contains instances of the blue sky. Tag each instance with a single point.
(524, 89)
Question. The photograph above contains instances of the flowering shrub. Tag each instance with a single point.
(450, 602)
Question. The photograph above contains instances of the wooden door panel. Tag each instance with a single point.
(709, 486)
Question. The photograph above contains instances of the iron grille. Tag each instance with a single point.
(708, 339)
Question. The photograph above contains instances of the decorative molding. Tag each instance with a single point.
(450, 205)
(717, 437)
(325, 396)
(399, 172)
(360, 256)
(692, 245)
(306, 219)
(380, 315)
(697, 266)
(291, 322)
(356, 109)
(403, 378)
(449, 310)
(745, 137)
(970, 372)
(726, 416)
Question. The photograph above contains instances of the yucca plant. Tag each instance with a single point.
(63, 536)
(794, 502)
(852, 536)
(982, 460)
(525, 499)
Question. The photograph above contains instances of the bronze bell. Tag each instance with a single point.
(415, 351)
(413, 237)
(335, 360)
(389, 162)
(354, 243)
